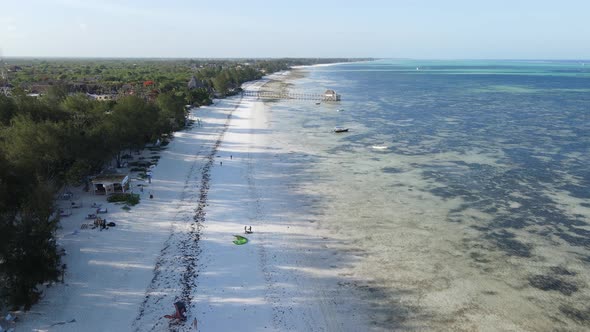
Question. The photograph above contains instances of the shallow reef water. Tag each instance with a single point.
(478, 207)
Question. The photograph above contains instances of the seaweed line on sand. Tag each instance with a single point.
(183, 244)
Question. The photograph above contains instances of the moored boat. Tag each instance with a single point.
(340, 129)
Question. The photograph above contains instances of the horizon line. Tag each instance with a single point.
(280, 58)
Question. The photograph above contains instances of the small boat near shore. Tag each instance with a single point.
(340, 129)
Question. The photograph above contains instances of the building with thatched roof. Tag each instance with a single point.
(107, 184)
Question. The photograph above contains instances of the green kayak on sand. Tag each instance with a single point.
(240, 240)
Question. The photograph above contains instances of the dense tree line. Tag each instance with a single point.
(105, 76)
(51, 141)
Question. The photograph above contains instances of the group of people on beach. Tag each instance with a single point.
(100, 223)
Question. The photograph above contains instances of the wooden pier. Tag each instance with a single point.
(329, 95)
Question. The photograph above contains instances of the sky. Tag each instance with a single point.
(421, 29)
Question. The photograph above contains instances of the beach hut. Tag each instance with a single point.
(331, 95)
(107, 184)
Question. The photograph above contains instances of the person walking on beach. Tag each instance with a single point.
(63, 272)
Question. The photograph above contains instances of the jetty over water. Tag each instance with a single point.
(329, 95)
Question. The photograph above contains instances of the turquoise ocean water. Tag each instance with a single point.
(462, 189)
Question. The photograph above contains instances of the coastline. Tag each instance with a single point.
(285, 278)
(330, 64)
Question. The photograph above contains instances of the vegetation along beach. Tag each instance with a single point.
(377, 166)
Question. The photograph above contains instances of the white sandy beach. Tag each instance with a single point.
(224, 174)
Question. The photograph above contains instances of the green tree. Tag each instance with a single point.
(172, 113)
(37, 109)
(83, 141)
(28, 253)
(132, 123)
(34, 147)
(7, 109)
(56, 94)
(221, 83)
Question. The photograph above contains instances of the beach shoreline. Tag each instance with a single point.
(285, 278)
(330, 64)
(209, 183)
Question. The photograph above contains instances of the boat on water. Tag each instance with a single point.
(340, 129)
(339, 110)
(379, 147)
